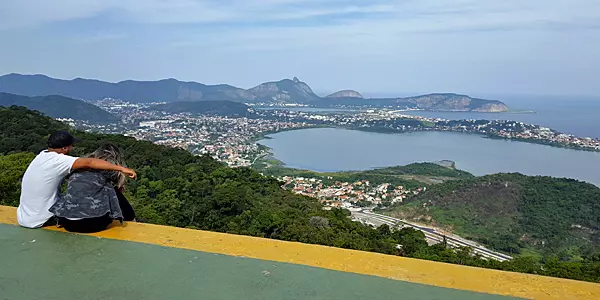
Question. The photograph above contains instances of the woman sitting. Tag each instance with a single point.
(94, 199)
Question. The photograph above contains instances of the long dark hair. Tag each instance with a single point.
(111, 153)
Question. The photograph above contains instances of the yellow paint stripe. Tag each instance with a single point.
(399, 268)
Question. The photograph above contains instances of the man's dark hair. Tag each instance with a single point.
(60, 139)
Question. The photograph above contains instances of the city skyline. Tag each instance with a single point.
(462, 46)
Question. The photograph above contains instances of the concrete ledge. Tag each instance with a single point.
(367, 263)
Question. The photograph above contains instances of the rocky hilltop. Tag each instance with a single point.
(345, 94)
(286, 91)
(439, 102)
(455, 102)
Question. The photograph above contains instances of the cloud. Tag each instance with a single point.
(409, 14)
(101, 37)
(316, 38)
(30, 13)
(386, 26)
(390, 16)
(350, 27)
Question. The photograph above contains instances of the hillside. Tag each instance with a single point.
(215, 108)
(166, 90)
(456, 102)
(424, 169)
(412, 176)
(345, 94)
(439, 102)
(514, 213)
(176, 188)
(281, 92)
(59, 107)
(284, 91)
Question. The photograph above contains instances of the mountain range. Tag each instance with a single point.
(59, 107)
(286, 91)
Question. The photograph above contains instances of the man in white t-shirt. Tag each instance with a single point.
(42, 180)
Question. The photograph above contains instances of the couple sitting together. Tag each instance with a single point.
(94, 194)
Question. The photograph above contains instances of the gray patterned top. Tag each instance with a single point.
(89, 194)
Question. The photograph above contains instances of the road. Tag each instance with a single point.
(432, 236)
(257, 157)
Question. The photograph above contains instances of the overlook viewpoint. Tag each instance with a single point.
(144, 261)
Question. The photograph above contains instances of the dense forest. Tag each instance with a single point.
(515, 213)
(178, 189)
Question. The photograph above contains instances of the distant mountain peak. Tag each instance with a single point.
(346, 94)
(284, 91)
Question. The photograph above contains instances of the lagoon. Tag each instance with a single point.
(332, 149)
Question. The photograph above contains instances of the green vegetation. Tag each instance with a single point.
(12, 167)
(427, 124)
(425, 169)
(59, 107)
(178, 189)
(410, 176)
(515, 213)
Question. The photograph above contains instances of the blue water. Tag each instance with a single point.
(328, 149)
(575, 115)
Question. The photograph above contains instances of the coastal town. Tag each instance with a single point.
(382, 120)
(348, 194)
(229, 140)
(233, 140)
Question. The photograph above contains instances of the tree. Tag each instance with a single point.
(411, 240)
(12, 168)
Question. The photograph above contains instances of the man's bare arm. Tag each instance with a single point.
(98, 164)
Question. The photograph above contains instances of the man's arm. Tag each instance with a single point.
(98, 164)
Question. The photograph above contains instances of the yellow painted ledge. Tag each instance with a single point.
(394, 267)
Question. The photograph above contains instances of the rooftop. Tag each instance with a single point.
(143, 261)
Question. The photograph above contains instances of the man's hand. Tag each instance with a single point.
(129, 172)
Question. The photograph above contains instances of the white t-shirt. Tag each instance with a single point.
(40, 188)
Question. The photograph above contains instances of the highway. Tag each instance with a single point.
(432, 236)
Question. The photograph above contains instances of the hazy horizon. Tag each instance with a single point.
(366, 94)
(375, 47)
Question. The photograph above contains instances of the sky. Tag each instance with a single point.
(548, 47)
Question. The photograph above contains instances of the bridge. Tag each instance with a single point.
(144, 261)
